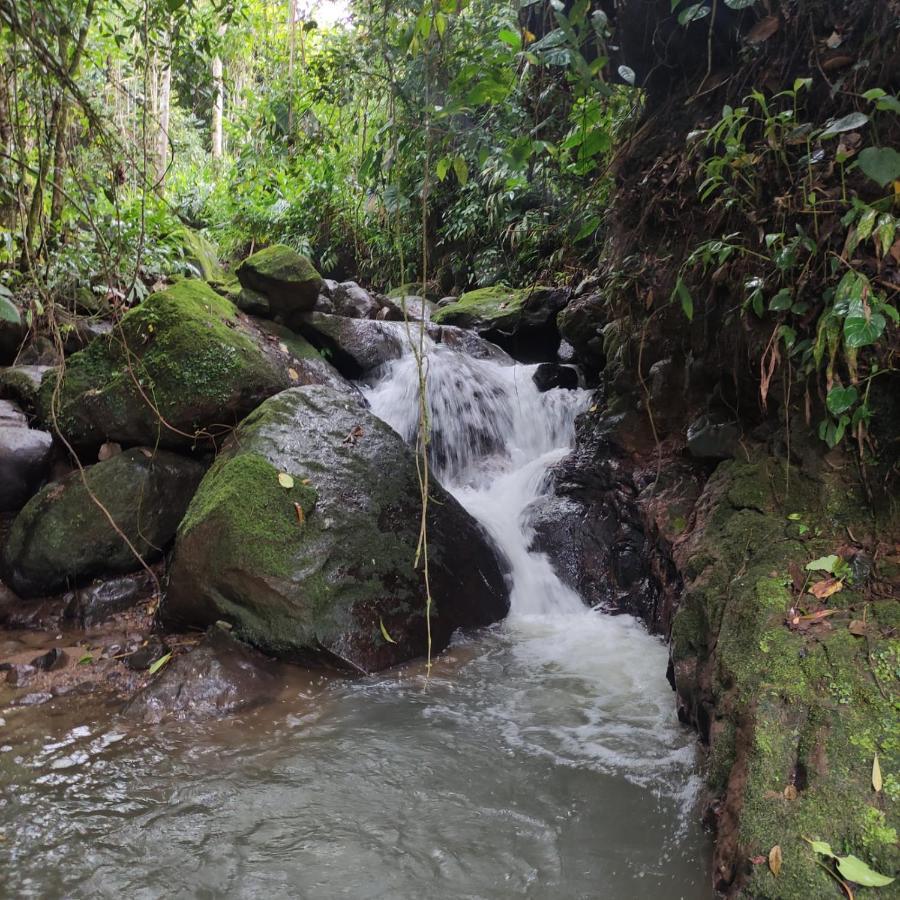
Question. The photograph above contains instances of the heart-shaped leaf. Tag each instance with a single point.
(881, 164)
(840, 399)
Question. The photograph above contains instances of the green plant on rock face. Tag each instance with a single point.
(833, 315)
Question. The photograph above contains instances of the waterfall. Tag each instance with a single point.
(494, 437)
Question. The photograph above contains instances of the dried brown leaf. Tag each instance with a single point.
(823, 589)
(763, 30)
(775, 860)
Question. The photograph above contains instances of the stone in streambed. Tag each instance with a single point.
(351, 300)
(548, 376)
(97, 602)
(219, 677)
(314, 570)
(520, 320)
(24, 461)
(62, 537)
(289, 280)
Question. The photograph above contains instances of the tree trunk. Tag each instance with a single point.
(162, 143)
(218, 102)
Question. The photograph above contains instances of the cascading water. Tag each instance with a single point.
(540, 759)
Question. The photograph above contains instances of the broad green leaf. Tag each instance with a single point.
(511, 38)
(862, 330)
(285, 480)
(866, 224)
(461, 170)
(159, 663)
(823, 564)
(820, 847)
(687, 301)
(8, 311)
(442, 167)
(781, 301)
(84, 660)
(693, 13)
(840, 399)
(846, 123)
(881, 164)
(855, 870)
(588, 228)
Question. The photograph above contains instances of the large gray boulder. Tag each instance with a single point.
(303, 535)
(62, 538)
(351, 300)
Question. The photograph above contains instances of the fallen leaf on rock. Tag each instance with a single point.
(858, 628)
(299, 510)
(293, 375)
(775, 860)
(876, 775)
(355, 433)
(285, 480)
(158, 664)
(790, 792)
(108, 450)
(822, 589)
(384, 633)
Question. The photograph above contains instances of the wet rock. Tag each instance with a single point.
(521, 321)
(324, 304)
(96, 603)
(61, 536)
(52, 659)
(10, 414)
(314, 570)
(24, 461)
(203, 364)
(565, 353)
(20, 674)
(446, 301)
(217, 678)
(289, 280)
(21, 383)
(581, 324)
(253, 303)
(468, 342)
(153, 649)
(712, 437)
(329, 286)
(411, 308)
(355, 346)
(550, 375)
(349, 299)
(34, 699)
(593, 531)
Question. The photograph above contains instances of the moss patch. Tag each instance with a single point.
(497, 306)
(799, 711)
(191, 359)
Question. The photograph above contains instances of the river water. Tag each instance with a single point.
(541, 758)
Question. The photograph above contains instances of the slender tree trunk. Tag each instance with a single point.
(292, 47)
(218, 112)
(162, 142)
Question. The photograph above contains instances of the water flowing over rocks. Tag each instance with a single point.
(322, 568)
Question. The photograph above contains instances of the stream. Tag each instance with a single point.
(541, 758)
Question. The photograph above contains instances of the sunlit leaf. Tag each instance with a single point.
(877, 783)
(855, 870)
(159, 663)
(285, 480)
(823, 564)
(775, 860)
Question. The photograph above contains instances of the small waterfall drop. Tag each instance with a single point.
(494, 437)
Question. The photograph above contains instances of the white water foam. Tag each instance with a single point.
(591, 687)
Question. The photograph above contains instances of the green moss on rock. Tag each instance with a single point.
(289, 281)
(183, 353)
(498, 307)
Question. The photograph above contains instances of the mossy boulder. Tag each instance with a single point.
(22, 383)
(289, 280)
(182, 367)
(794, 710)
(318, 566)
(62, 537)
(520, 320)
(201, 254)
